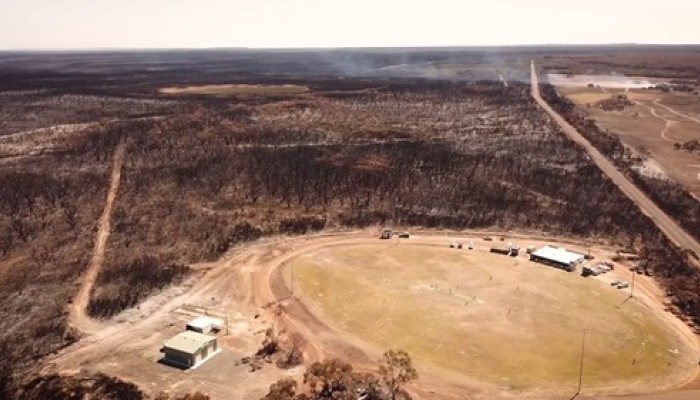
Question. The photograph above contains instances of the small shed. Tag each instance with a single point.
(205, 324)
(189, 349)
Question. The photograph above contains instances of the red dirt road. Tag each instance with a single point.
(78, 317)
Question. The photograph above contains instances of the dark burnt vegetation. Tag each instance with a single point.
(80, 386)
(125, 285)
(204, 174)
(28, 111)
(425, 154)
(411, 152)
(77, 387)
(681, 62)
(52, 191)
(47, 214)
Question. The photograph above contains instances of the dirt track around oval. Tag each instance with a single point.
(326, 340)
(248, 286)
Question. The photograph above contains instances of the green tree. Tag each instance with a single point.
(396, 369)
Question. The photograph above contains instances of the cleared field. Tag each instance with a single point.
(235, 89)
(654, 123)
(499, 320)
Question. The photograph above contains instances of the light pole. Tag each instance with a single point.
(580, 369)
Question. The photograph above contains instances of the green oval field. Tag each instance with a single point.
(500, 320)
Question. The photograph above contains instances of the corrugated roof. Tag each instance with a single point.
(188, 341)
(558, 254)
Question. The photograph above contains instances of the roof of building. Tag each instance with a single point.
(558, 254)
(188, 341)
(205, 321)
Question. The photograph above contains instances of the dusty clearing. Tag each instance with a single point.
(235, 89)
(507, 321)
(245, 282)
(654, 123)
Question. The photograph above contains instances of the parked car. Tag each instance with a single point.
(404, 235)
(471, 246)
(453, 245)
(459, 245)
(488, 238)
(649, 272)
(623, 284)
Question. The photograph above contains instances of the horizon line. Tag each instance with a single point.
(399, 47)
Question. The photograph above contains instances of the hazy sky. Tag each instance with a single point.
(49, 24)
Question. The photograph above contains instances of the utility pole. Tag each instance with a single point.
(580, 369)
(634, 275)
(291, 279)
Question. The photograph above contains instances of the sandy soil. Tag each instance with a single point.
(246, 287)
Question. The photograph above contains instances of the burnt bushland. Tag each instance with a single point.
(203, 175)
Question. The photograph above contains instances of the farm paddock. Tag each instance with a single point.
(651, 126)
